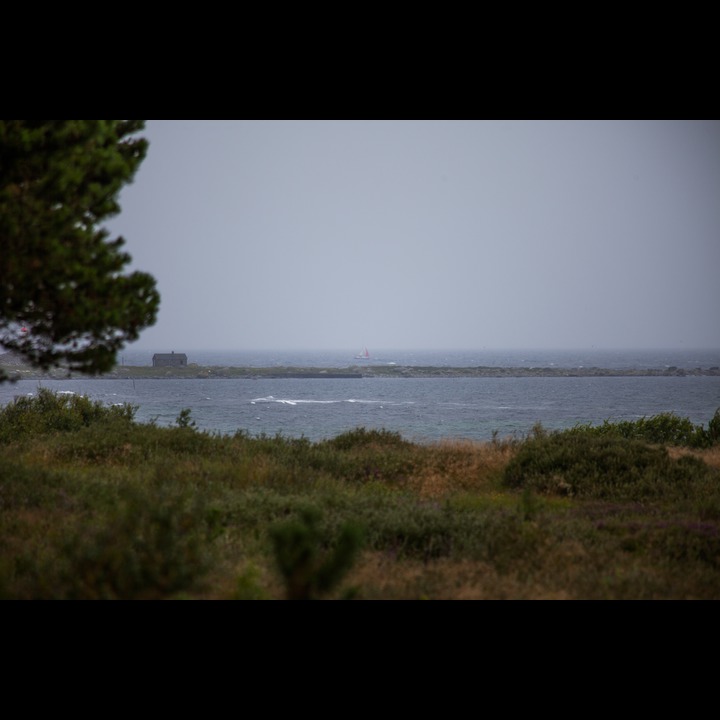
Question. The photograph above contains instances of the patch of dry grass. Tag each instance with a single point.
(459, 465)
(447, 579)
(711, 456)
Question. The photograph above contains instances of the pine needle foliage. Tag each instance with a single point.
(64, 299)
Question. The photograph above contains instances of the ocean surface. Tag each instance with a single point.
(422, 410)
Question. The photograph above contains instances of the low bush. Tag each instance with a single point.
(494, 536)
(366, 455)
(49, 412)
(713, 430)
(602, 466)
(362, 438)
(661, 429)
(311, 561)
(154, 544)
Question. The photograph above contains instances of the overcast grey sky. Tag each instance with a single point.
(428, 234)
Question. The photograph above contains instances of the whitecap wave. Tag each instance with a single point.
(305, 401)
(292, 401)
(380, 402)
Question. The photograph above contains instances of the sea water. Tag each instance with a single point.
(421, 409)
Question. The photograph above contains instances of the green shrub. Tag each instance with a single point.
(49, 412)
(661, 429)
(601, 466)
(184, 419)
(690, 542)
(713, 430)
(23, 486)
(365, 455)
(429, 532)
(415, 531)
(156, 543)
(362, 438)
(311, 562)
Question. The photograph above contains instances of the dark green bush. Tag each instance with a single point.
(49, 412)
(424, 532)
(24, 486)
(361, 438)
(591, 465)
(312, 562)
(184, 419)
(690, 542)
(713, 430)
(662, 429)
(155, 544)
(365, 455)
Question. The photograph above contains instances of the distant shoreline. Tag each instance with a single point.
(196, 372)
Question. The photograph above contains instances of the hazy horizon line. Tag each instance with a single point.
(354, 350)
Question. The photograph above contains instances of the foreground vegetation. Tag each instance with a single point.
(95, 505)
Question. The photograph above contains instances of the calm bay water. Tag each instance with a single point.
(420, 409)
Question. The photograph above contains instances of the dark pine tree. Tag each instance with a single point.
(64, 298)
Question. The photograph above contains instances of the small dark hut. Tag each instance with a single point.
(172, 359)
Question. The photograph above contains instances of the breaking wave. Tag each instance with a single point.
(299, 401)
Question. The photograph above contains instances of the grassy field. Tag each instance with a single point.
(95, 505)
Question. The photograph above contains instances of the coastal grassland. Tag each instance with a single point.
(95, 505)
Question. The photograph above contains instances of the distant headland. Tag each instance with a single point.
(18, 370)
